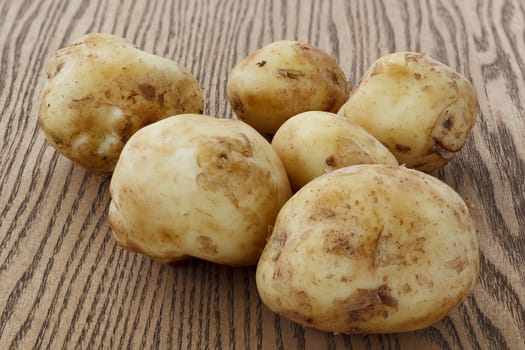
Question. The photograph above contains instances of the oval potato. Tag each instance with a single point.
(283, 79)
(370, 249)
(313, 143)
(419, 108)
(101, 89)
(197, 186)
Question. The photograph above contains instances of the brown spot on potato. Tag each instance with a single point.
(318, 214)
(226, 167)
(237, 105)
(330, 160)
(390, 251)
(261, 63)
(417, 76)
(457, 264)
(58, 68)
(290, 73)
(277, 245)
(414, 57)
(330, 103)
(207, 244)
(365, 304)
(126, 131)
(333, 77)
(302, 46)
(167, 235)
(447, 124)
(81, 102)
(147, 91)
(403, 148)
(340, 244)
(424, 282)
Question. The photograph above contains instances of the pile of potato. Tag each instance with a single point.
(367, 244)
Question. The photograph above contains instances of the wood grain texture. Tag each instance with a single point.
(64, 283)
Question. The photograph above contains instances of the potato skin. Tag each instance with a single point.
(313, 143)
(419, 108)
(283, 79)
(197, 186)
(101, 89)
(370, 249)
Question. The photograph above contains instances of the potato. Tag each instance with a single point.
(419, 108)
(313, 143)
(370, 249)
(197, 186)
(283, 79)
(101, 89)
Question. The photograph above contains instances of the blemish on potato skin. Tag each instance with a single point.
(277, 244)
(261, 63)
(302, 46)
(365, 304)
(168, 236)
(414, 57)
(389, 251)
(86, 99)
(340, 244)
(321, 213)
(424, 282)
(290, 73)
(447, 124)
(237, 105)
(207, 244)
(457, 264)
(403, 148)
(227, 168)
(126, 131)
(147, 91)
(330, 104)
(54, 73)
(330, 160)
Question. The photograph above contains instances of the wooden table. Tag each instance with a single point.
(64, 283)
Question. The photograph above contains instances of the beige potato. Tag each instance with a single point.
(370, 249)
(313, 143)
(197, 186)
(419, 108)
(101, 89)
(283, 79)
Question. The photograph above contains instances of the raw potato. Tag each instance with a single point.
(419, 108)
(313, 143)
(197, 186)
(101, 89)
(370, 249)
(283, 79)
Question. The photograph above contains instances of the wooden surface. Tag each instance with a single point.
(64, 283)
